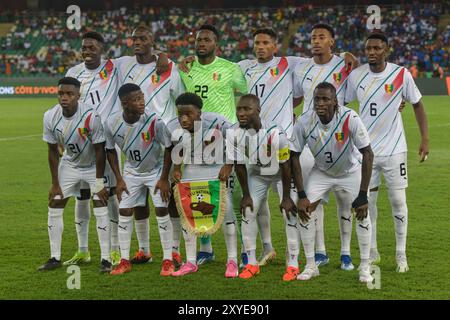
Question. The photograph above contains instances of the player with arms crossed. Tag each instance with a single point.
(379, 87)
(76, 127)
(336, 137)
(140, 134)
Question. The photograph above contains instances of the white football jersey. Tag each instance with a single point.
(335, 146)
(141, 142)
(160, 91)
(99, 87)
(77, 134)
(269, 139)
(379, 96)
(272, 83)
(308, 75)
(213, 130)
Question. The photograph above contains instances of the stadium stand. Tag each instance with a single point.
(40, 43)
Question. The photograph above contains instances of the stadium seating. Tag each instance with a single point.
(40, 43)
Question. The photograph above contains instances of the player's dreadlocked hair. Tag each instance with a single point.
(93, 35)
(189, 98)
(127, 88)
(70, 81)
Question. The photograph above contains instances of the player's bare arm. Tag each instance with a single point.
(53, 161)
(246, 201)
(186, 64)
(100, 158)
(163, 182)
(361, 203)
(114, 164)
(225, 172)
(421, 118)
(286, 203)
(303, 203)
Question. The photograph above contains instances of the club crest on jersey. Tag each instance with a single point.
(148, 135)
(389, 88)
(337, 77)
(83, 132)
(106, 71)
(217, 76)
(155, 79)
(340, 136)
(274, 72)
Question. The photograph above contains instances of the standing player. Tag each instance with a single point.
(216, 81)
(379, 87)
(140, 134)
(324, 66)
(99, 85)
(269, 139)
(212, 127)
(77, 127)
(336, 137)
(160, 92)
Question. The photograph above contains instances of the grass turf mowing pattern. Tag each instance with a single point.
(24, 245)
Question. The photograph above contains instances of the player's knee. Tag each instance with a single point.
(161, 212)
(85, 194)
(397, 199)
(112, 191)
(126, 212)
(141, 213)
(56, 204)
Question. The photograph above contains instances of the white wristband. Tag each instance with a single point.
(98, 185)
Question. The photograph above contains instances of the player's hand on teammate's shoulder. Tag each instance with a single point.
(163, 186)
(246, 201)
(55, 190)
(162, 63)
(288, 206)
(121, 187)
(185, 64)
(351, 61)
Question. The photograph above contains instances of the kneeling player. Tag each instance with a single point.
(76, 127)
(334, 135)
(213, 125)
(139, 134)
(259, 175)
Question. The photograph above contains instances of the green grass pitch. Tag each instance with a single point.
(24, 245)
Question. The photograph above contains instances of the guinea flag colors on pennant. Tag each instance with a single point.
(201, 205)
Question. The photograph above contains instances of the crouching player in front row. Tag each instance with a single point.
(337, 138)
(140, 135)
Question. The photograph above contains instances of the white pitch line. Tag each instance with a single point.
(20, 137)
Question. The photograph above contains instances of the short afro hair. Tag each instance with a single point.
(326, 85)
(324, 26)
(94, 35)
(378, 35)
(189, 98)
(69, 81)
(268, 31)
(128, 88)
(210, 28)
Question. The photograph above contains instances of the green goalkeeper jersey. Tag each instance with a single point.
(216, 83)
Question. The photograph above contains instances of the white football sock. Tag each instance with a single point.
(308, 236)
(291, 228)
(251, 254)
(263, 219)
(55, 226)
(103, 231)
(320, 239)
(345, 217)
(143, 234)
(400, 215)
(229, 232)
(373, 212)
(249, 231)
(165, 235)
(364, 233)
(113, 209)
(125, 231)
(176, 226)
(82, 217)
(190, 241)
